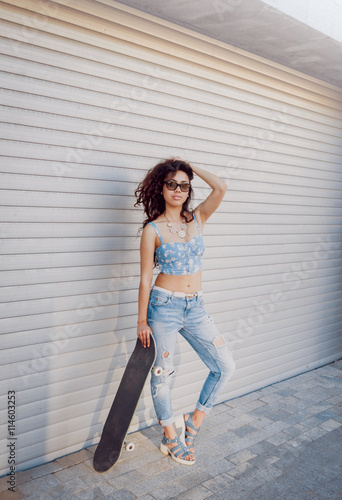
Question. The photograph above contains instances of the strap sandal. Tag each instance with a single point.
(176, 451)
(189, 436)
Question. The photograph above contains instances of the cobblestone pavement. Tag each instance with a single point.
(283, 442)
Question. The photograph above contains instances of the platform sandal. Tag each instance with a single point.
(178, 449)
(189, 438)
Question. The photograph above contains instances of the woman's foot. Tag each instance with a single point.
(177, 450)
(193, 422)
(175, 445)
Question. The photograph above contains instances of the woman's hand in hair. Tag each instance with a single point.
(176, 158)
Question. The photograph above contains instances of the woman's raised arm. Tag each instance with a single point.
(212, 202)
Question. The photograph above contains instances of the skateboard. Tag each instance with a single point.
(124, 405)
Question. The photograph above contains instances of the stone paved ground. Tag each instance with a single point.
(283, 442)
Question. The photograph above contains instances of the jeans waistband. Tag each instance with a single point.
(178, 294)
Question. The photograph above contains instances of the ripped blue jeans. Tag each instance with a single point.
(167, 315)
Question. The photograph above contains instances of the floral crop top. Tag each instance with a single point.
(178, 257)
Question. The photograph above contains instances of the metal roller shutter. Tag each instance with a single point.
(95, 93)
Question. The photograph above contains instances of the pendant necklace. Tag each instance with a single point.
(182, 231)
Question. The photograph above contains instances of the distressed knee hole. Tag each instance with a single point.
(163, 383)
(219, 341)
(166, 354)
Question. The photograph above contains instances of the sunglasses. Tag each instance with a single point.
(173, 185)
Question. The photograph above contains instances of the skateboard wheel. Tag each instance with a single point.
(157, 371)
(130, 446)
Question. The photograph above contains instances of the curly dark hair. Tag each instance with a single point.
(148, 193)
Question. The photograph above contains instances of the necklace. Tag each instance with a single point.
(181, 232)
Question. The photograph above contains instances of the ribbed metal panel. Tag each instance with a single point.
(95, 93)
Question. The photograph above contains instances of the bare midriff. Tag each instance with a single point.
(189, 283)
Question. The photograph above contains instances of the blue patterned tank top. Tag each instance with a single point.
(178, 257)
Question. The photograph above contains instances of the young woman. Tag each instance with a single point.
(172, 238)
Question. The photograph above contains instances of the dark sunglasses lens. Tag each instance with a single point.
(171, 185)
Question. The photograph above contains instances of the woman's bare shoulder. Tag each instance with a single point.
(148, 237)
(148, 230)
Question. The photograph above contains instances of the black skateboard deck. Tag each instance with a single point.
(124, 405)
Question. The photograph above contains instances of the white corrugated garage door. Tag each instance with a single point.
(93, 94)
